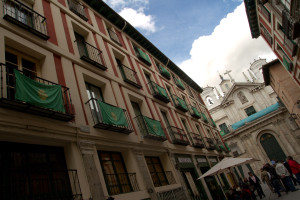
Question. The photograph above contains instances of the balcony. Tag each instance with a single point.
(91, 54)
(150, 128)
(143, 56)
(219, 145)
(204, 118)
(213, 123)
(179, 83)
(130, 76)
(227, 147)
(23, 16)
(158, 92)
(36, 97)
(179, 103)
(109, 117)
(209, 143)
(114, 37)
(295, 10)
(266, 13)
(290, 25)
(196, 140)
(291, 46)
(76, 7)
(194, 112)
(178, 136)
(40, 184)
(287, 63)
(164, 72)
(121, 183)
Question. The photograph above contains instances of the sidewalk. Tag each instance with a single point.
(284, 196)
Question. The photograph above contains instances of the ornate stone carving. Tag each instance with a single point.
(242, 97)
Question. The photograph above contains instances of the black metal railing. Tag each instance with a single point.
(290, 25)
(218, 144)
(291, 46)
(295, 10)
(130, 76)
(194, 112)
(91, 54)
(77, 8)
(98, 118)
(266, 13)
(177, 193)
(288, 64)
(159, 92)
(179, 103)
(8, 100)
(145, 130)
(178, 136)
(113, 36)
(196, 140)
(121, 183)
(40, 185)
(209, 143)
(23, 16)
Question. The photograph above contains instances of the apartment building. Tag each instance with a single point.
(91, 109)
(278, 23)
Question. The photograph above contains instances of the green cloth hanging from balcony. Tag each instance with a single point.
(227, 146)
(214, 123)
(154, 127)
(182, 103)
(204, 117)
(112, 115)
(222, 133)
(196, 112)
(144, 55)
(162, 91)
(38, 94)
(164, 72)
(179, 83)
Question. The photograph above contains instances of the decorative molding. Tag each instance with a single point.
(86, 147)
(257, 88)
(227, 103)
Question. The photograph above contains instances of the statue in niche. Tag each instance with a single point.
(242, 97)
(209, 101)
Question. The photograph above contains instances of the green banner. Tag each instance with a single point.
(38, 94)
(204, 116)
(222, 133)
(154, 127)
(214, 123)
(164, 72)
(182, 103)
(196, 112)
(162, 91)
(144, 55)
(179, 83)
(112, 115)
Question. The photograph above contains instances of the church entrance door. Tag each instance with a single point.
(271, 147)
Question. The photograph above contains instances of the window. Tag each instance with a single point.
(185, 126)
(94, 93)
(250, 110)
(148, 77)
(224, 128)
(115, 173)
(157, 172)
(165, 117)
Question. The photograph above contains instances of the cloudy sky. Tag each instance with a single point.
(201, 37)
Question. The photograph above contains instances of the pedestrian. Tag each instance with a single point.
(266, 178)
(284, 174)
(255, 182)
(274, 179)
(249, 189)
(287, 166)
(295, 167)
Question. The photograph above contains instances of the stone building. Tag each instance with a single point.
(91, 109)
(251, 119)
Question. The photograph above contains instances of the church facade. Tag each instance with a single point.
(251, 118)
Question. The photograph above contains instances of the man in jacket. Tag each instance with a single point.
(255, 182)
(295, 167)
(284, 174)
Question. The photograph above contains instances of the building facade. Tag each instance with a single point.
(252, 121)
(278, 22)
(91, 109)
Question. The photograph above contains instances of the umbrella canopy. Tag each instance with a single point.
(226, 163)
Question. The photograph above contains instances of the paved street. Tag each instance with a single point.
(289, 196)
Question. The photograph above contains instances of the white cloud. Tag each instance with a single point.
(139, 19)
(117, 4)
(230, 46)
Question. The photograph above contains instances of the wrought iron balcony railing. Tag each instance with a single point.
(40, 185)
(213, 123)
(150, 128)
(121, 183)
(77, 8)
(114, 37)
(227, 147)
(109, 117)
(204, 118)
(8, 100)
(163, 71)
(291, 46)
(194, 112)
(209, 143)
(16, 12)
(218, 144)
(91, 54)
(287, 63)
(266, 13)
(159, 92)
(130, 76)
(295, 10)
(177, 193)
(180, 103)
(290, 25)
(178, 136)
(196, 140)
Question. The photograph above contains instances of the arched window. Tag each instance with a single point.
(242, 97)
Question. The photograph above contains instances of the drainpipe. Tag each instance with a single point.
(124, 26)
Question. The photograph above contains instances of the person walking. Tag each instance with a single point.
(266, 178)
(255, 182)
(295, 167)
(287, 166)
(274, 179)
(284, 174)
